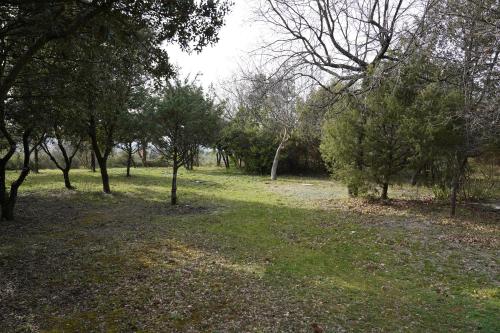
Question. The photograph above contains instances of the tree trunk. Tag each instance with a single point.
(274, 168)
(218, 158)
(385, 188)
(67, 182)
(101, 157)
(36, 161)
(129, 162)
(3, 189)
(68, 159)
(144, 154)
(105, 177)
(92, 161)
(9, 206)
(102, 161)
(173, 195)
(8, 201)
(3, 164)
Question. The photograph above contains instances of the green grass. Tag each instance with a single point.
(241, 253)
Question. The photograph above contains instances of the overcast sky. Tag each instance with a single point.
(238, 37)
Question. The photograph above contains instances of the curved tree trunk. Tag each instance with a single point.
(67, 158)
(8, 200)
(102, 158)
(274, 168)
(4, 160)
(10, 204)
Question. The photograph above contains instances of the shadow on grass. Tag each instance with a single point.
(82, 179)
(128, 263)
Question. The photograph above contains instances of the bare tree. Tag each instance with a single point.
(464, 37)
(342, 40)
(271, 103)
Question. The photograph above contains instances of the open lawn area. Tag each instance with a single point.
(242, 254)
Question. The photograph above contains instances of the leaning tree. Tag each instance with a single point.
(270, 102)
(24, 118)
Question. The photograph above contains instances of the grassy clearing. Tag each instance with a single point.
(242, 254)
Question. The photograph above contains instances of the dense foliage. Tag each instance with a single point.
(82, 80)
(81, 62)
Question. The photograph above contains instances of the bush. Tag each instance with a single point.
(481, 182)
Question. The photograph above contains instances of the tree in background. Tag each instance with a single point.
(129, 131)
(341, 146)
(135, 125)
(63, 121)
(401, 125)
(106, 83)
(23, 120)
(65, 133)
(27, 27)
(184, 117)
(251, 148)
(268, 105)
(261, 110)
(462, 38)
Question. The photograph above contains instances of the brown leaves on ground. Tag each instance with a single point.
(88, 267)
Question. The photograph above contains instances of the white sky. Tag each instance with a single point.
(217, 63)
